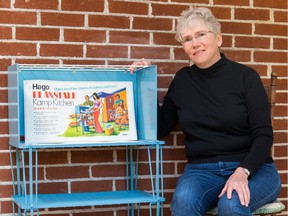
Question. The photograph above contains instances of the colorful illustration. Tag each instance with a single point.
(78, 112)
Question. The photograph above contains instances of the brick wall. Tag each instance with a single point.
(119, 32)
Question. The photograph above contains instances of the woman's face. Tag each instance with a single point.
(204, 50)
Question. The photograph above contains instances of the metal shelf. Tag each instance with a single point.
(86, 199)
(23, 145)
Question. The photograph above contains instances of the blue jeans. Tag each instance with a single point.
(199, 186)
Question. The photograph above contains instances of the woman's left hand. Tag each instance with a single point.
(238, 181)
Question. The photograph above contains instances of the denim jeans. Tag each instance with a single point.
(198, 188)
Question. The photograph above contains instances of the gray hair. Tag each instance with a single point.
(198, 13)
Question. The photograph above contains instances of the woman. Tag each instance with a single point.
(224, 113)
(98, 104)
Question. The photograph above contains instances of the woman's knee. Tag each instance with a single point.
(185, 202)
(232, 207)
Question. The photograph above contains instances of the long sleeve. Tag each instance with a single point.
(259, 122)
(167, 115)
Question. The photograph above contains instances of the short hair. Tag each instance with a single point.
(198, 13)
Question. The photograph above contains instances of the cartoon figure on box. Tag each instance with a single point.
(87, 101)
(121, 116)
(118, 100)
(98, 104)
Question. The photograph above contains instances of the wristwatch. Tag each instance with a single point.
(247, 172)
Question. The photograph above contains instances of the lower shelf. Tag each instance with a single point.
(85, 199)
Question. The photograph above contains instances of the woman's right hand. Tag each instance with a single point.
(141, 63)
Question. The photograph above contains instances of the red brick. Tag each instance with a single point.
(164, 81)
(227, 41)
(61, 50)
(280, 124)
(236, 28)
(109, 21)
(280, 151)
(150, 52)
(18, 17)
(282, 84)
(102, 213)
(128, 7)
(5, 159)
(4, 63)
(52, 157)
(76, 35)
(168, 168)
(83, 5)
(167, 9)
(4, 143)
(17, 49)
(281, 111)
(239, 56)
(3, 110)
(280, 16)
(83, 62)
(281, 97)
(108, 170)
(121, 184)
(170, 67)
(190, 1)
(281, 164)
(6, 191)
(3, 97)
(276, 57)
(92, 156)
(37, 61)
(164, 39)
(252, 42)
(280, 137)
(107, 51)
(232, 2)
(252, 14)
(145, 184)
(89, 186)
(53, 187)
(271, 29)
(174, 154)
(61, 19)
(5, 32)
(280, 43)
(39, 34)
(221, 13)
(281, 71)
(67, 172)
(35, 4)
(179, 54)
(5, 4)
(271, 4)
(129, 37)
(5, 174)
(152, 23)
(6, 206)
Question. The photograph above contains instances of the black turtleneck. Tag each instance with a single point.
(223, 111)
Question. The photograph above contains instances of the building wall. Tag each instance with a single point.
(97, 32)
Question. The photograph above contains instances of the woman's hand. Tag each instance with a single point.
(142, 63)
(238, 181)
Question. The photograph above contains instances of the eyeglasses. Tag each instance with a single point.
(199, 36)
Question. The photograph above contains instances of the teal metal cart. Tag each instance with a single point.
(25, 184)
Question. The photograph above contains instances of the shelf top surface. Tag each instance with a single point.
(86, 199)
(24, 145)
